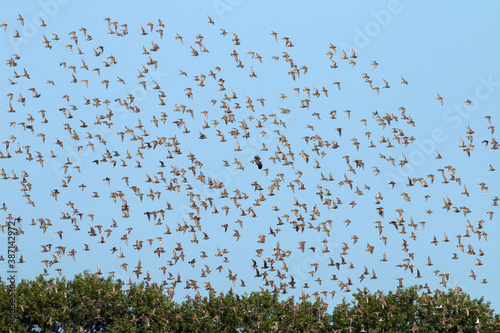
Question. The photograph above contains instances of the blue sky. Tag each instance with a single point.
(439, 48)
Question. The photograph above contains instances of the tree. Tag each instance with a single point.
(91, 303)
(7, 323)
(147, 309)
(408, 311)
(41, 304)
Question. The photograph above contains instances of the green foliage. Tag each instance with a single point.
(147, 309)
(91, 303)
(6, 321)
(40, 304)
(408, 311)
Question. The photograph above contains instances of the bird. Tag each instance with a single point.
(440, 99)
(257, 160)
(179, 38)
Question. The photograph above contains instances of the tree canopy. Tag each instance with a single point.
(92, 303)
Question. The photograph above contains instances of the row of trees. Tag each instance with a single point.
(90, 303)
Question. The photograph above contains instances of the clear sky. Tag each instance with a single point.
(444, 48)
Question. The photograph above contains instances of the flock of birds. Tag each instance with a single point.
(135, 160)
